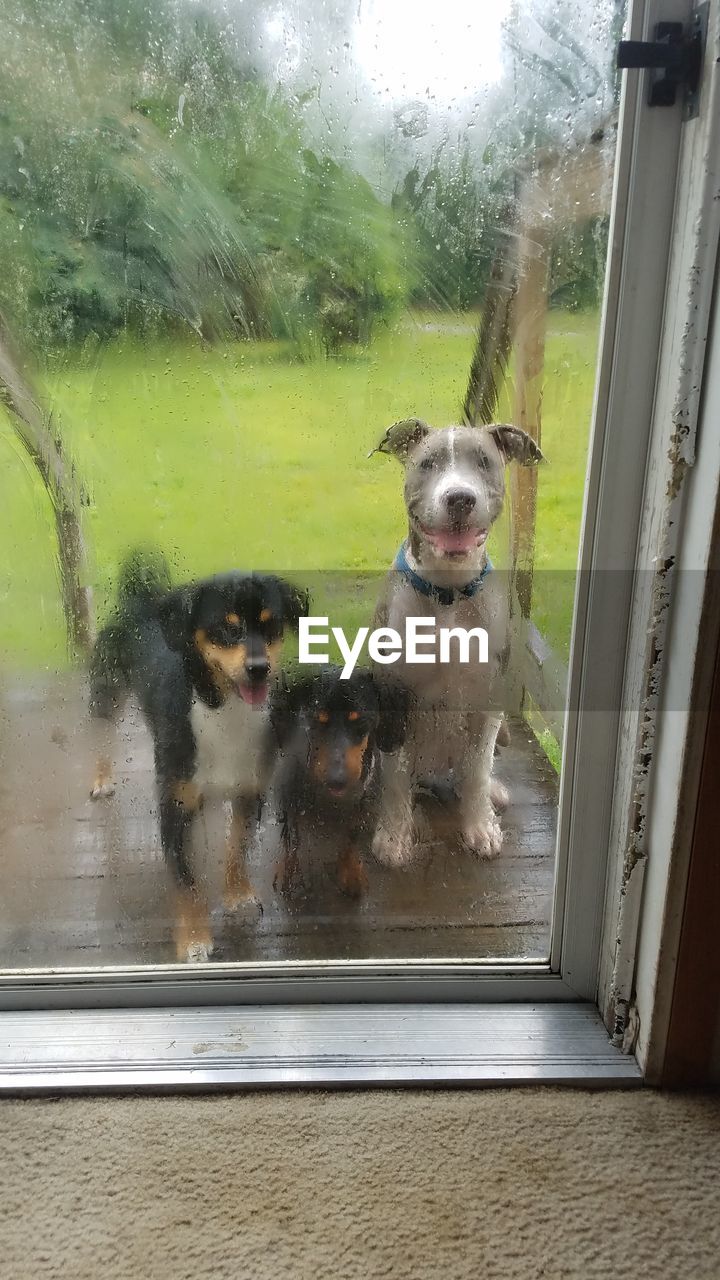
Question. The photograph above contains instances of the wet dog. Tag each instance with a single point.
(332, 736)
(200, 661)
(454, 493)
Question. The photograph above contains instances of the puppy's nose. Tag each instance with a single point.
(257, 668)
(460, 502)
(336, 778)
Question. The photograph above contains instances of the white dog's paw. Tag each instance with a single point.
(393, 847)
(238, 903)
(483, 837)
(102, 790)
(499, 794)
(198, 952)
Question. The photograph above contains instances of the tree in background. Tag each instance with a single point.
(223, 170)
(151, 181)
(558, 89)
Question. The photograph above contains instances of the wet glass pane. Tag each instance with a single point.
(299, 321)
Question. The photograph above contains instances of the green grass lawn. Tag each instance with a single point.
(239, 457)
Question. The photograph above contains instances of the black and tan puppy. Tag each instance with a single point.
(200, 661)
(331, 735)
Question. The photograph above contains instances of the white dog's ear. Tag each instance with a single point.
(516, 445)
(401, 437)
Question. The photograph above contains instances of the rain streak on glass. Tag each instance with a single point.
(299, 317)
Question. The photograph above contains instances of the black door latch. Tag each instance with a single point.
(675, 57)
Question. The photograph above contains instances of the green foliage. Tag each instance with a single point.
(357, 247)
(332, 255)
(577, 268)
(149, 181)
(153, 180)
(559, 89)
(455, 209)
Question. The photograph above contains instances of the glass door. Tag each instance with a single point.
(301, 319)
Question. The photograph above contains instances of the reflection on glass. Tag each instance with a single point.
(245, 245)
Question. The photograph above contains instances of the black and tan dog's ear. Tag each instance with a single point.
(283, 713)
(286, 704)
(175, 617)
(296, 603)
(395, 702)
(401, 438)
(516, 445)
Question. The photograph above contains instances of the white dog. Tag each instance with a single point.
(454, 491)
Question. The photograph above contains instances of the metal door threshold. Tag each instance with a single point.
(307, 1045)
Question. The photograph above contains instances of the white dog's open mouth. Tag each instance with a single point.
(455, 542)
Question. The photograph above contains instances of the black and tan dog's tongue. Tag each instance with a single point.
(253, 694)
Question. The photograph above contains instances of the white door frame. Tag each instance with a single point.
(649, 148)
(644, 310)
(675, 607)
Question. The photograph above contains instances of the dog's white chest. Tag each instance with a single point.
(228, 741)
(454, 687)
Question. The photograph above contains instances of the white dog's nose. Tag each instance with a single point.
(460, 502)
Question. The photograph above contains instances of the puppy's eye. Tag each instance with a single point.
(482, 462)
(426, 464)
(353, 715)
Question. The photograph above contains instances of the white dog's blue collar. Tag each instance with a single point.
(444, 595)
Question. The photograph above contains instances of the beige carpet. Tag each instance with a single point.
(489, 1184)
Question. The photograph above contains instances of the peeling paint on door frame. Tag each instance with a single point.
(673, 449)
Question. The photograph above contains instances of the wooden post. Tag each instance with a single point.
(563, 191)
(557, 190)
(493, 342)
(42, 442)
(530, 323)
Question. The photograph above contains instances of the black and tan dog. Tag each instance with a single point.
(200, 661)
(331, 735)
